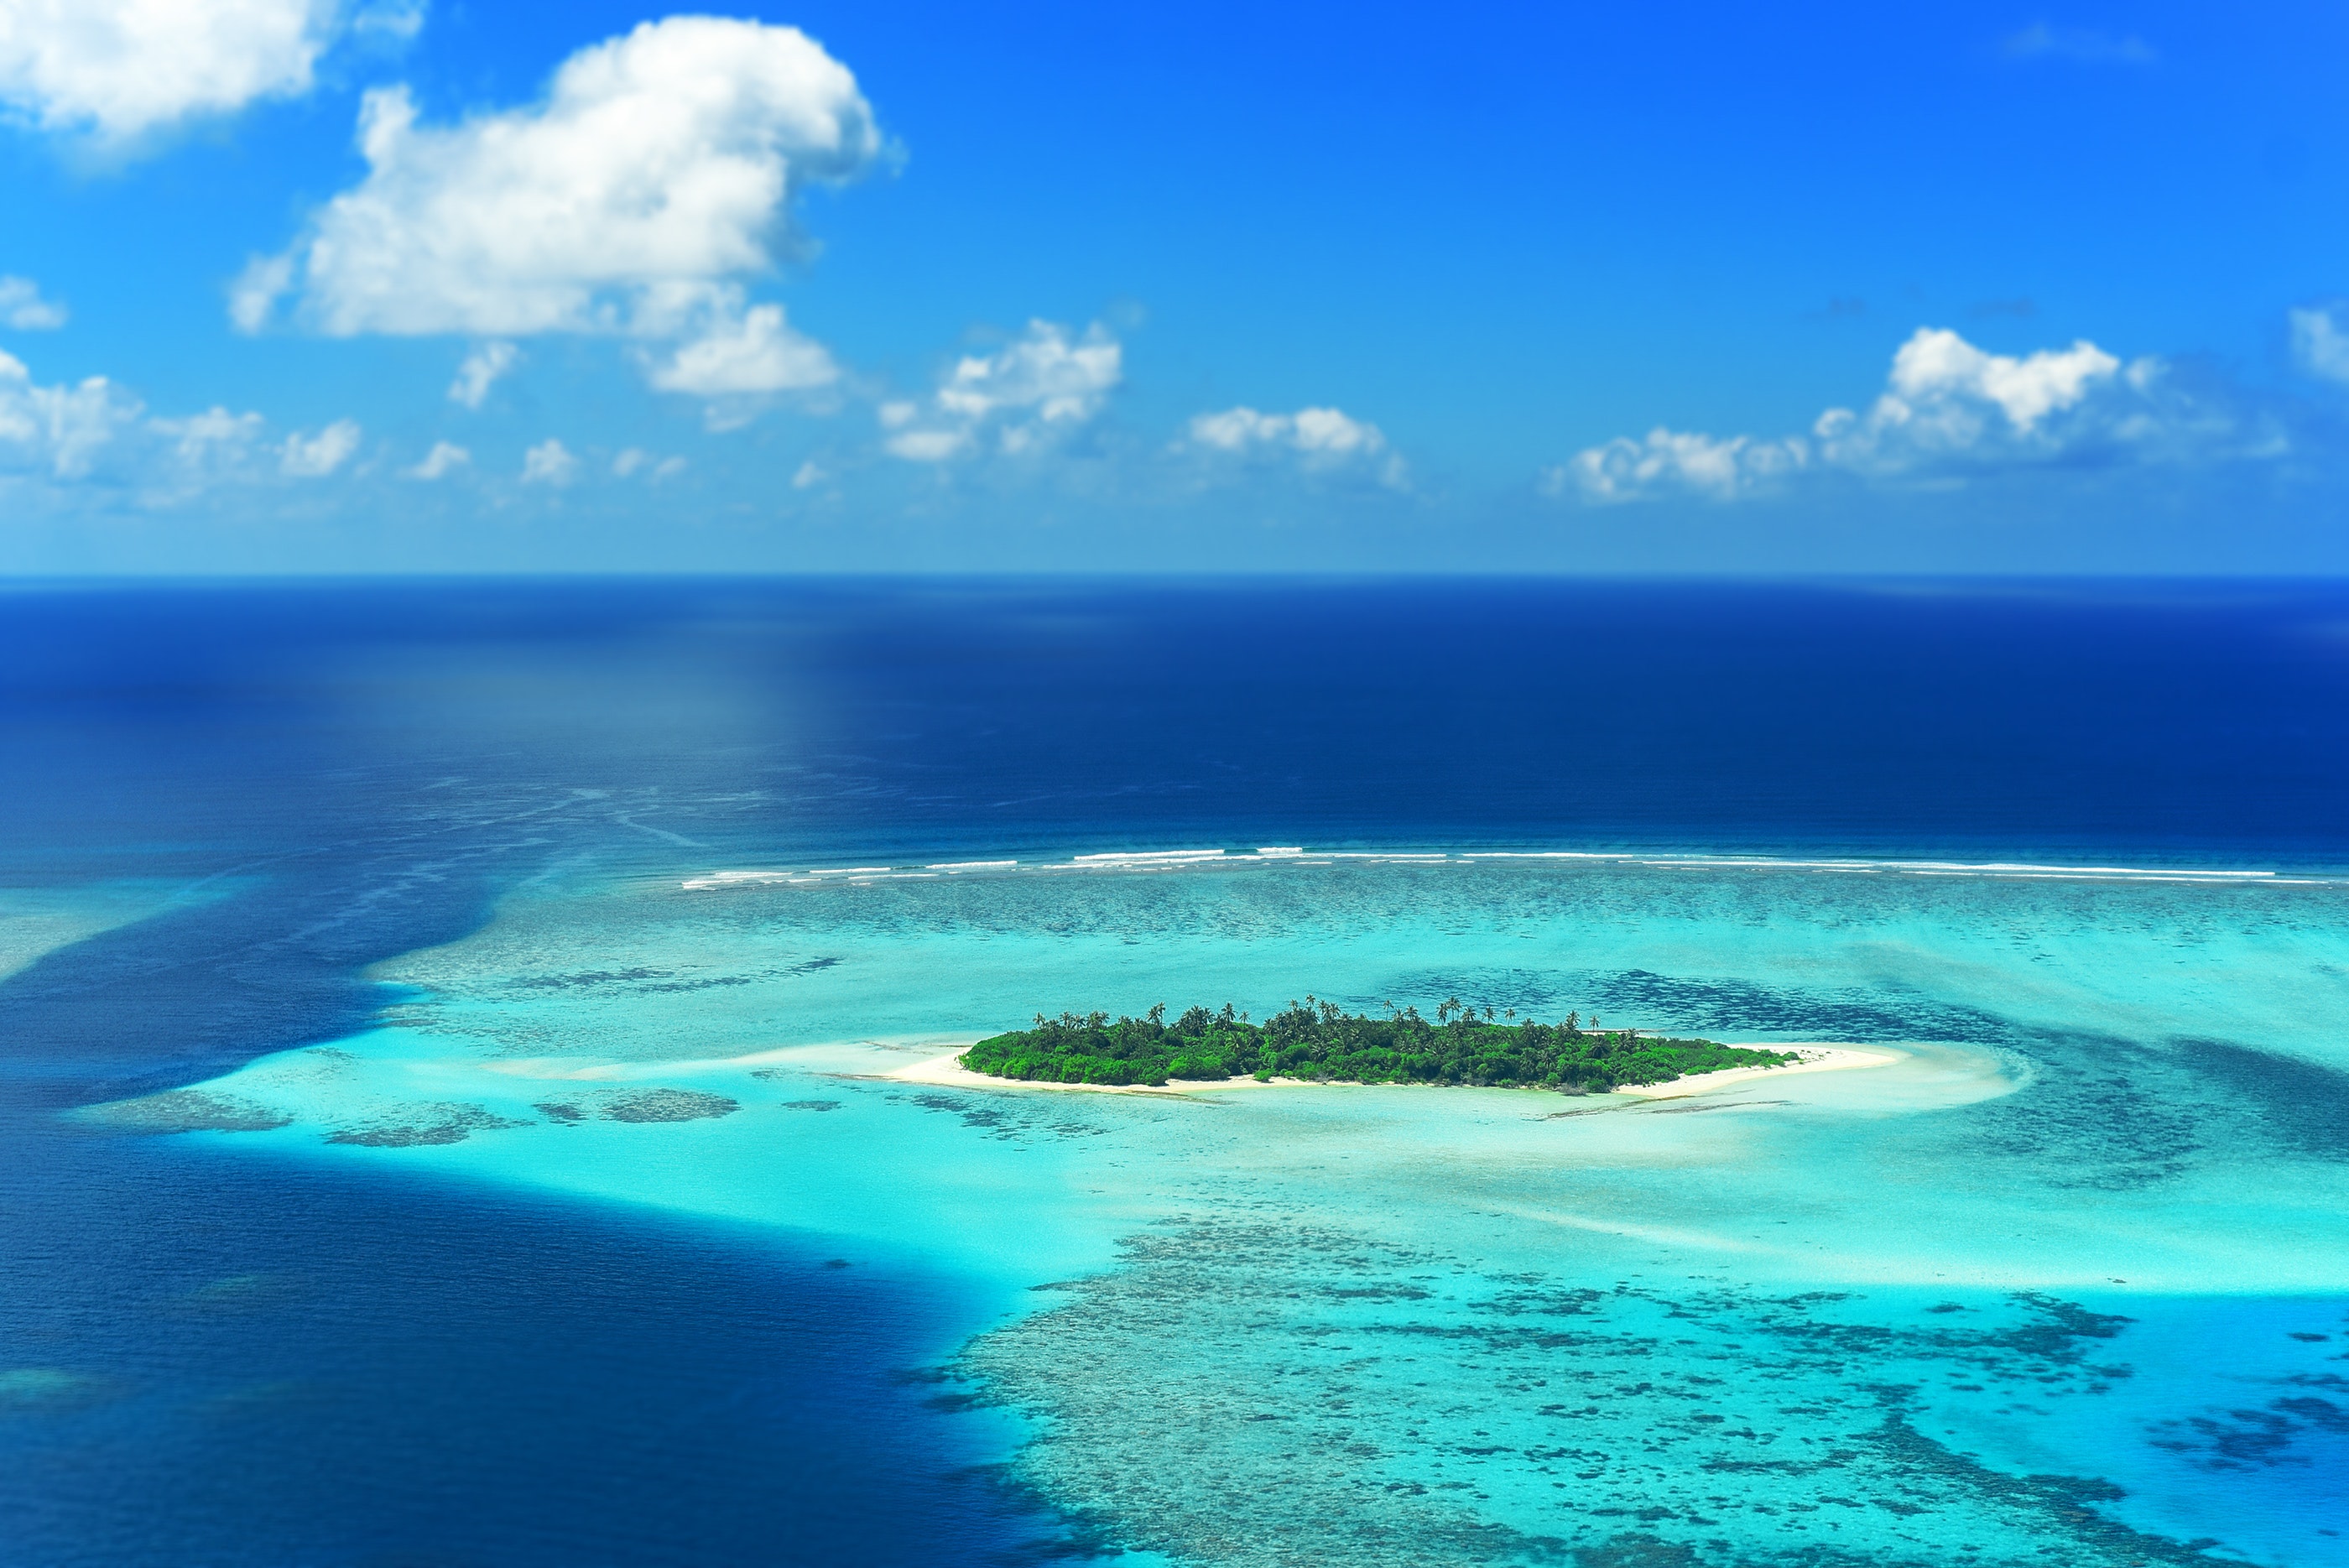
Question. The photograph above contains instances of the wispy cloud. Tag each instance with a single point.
(214, 440)
(481, 372)
(634, 460)
(550, 463)
(2319, 341)
(316, 456)
(2086, 45)
(23, 308)
(445, 459)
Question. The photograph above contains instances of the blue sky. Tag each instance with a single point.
(301, 284)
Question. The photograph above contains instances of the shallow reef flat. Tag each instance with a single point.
(2066, 1278)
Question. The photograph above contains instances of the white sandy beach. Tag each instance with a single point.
(1815, 1058)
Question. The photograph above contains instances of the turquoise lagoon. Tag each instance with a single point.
(2067, 1281)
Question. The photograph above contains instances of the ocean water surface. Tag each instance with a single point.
(431, 1146)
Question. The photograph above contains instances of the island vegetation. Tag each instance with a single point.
(1318, 1041)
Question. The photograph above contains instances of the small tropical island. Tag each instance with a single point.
(1315, 1042)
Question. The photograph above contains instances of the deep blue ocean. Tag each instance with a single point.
(325, 1365)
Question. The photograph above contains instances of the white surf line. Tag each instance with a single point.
(789, 878)
(1133, 857)
(1843, 863)
(1141, 860)
(1177, 860)
(2005, 869)
(1537, 855)
(739, 879)
(1148, 859)
(1950, 867)
(2075, 870)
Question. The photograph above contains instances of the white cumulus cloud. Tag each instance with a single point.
(657, 172)
(94, 437)
(23, 308)
(1318, 439)
(59, 429)
(481, 372)
(118, 69)
(2319, 341)
(549, 462)
(316, 456)
(741, 353)
(445, 459)
(1948, 409)
(1677, 460)
(1946, 395)
(1040, 385)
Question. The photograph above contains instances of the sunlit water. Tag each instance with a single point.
(363, 1053)
(2068, 1280)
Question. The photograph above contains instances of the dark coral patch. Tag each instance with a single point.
(192, 1110)
(422, 1126)
(668, 1105)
